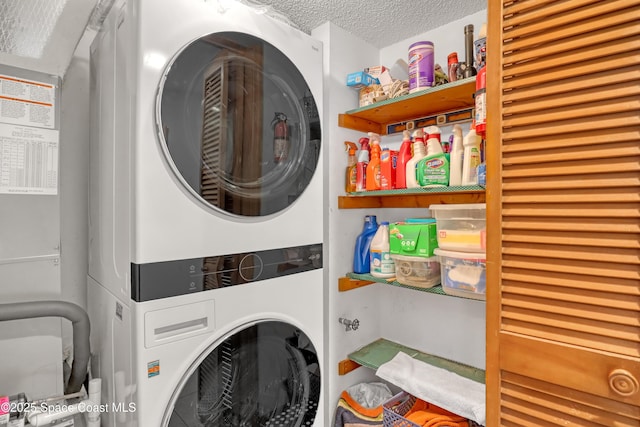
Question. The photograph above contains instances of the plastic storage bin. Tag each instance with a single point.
(417, 271)
(463, 274)
(395, 408)
(461, 227)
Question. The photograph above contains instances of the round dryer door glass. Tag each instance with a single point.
(266, 375)
(238, 124)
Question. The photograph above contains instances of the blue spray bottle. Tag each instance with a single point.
(361, 261)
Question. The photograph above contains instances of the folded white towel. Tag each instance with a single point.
(443, 388)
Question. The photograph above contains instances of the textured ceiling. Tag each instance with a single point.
(380, 22)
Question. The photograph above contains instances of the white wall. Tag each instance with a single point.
(74, 176)
(343, 53)
(43, 250)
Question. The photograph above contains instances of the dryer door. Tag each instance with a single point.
(238, 124)
(264, 375)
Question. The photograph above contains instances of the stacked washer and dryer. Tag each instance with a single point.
(206, 227)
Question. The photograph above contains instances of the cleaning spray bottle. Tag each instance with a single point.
(455, 159)
(404, 155)
(361, 255)
(471, 157)
(418, 154)
(373, 168)
(433, 169)
(352, 174)
(361, 166)
(433, 141)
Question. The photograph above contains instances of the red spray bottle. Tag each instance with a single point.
(404, 154)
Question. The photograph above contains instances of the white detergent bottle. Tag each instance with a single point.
(472, 157)
(382, 265)
(418, 154)
(433, 141)
(455, 158)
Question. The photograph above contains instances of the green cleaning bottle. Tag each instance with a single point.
(433, 170)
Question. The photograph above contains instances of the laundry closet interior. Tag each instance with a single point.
(179, 238)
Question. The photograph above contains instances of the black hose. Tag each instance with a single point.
(81, 330)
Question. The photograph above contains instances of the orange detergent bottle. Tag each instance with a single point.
(373, 168)
(352, 173)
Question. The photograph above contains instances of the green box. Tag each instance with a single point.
(413, 238)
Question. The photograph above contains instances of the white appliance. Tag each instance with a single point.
(205, 216)
(205, 136)
(219, 358)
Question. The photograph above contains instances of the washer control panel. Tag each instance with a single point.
(172, 278)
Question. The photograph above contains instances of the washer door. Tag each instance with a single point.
(238, 124)
(266, 375)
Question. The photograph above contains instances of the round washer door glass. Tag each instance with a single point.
(238, 124)
(266, 375)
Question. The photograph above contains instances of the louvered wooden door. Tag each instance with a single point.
(563, 208)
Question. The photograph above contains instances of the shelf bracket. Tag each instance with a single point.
(347, 284)
(347, 365)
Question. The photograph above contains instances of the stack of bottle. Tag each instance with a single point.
(422, 161)
(372, 255)
(401, 250)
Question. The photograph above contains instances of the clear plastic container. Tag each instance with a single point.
(463, 274)
(461, 227)
(417, 271)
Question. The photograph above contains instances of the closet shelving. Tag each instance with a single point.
(381, 351)
(354, 280)
(437, 105)
(446, 103)
(412, 198)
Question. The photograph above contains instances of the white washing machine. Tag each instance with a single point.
(205, 136)
(220, 358)
(205, 216)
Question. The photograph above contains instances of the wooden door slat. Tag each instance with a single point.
(552, 44)
(569, 71)
(583, 111)
(622, 271)
(568, 252)
(558, 129)
(579, 295)
(586, 341)
(563, 238)
(539, 145)
(602, 225)
(590, 168)
(615, 286)
(561, 153)
(625, 321)
(588, 209)
(540, 11)
(573, 23)
(565, 97)
(602, 50)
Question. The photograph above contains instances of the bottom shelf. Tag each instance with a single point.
(381, 351)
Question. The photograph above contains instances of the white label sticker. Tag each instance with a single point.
(27, 102)
(28, 160)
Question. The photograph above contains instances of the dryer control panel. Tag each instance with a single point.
(172, 278)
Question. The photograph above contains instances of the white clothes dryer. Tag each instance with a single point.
(218, 358)
(206, 136)
(205, 217)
